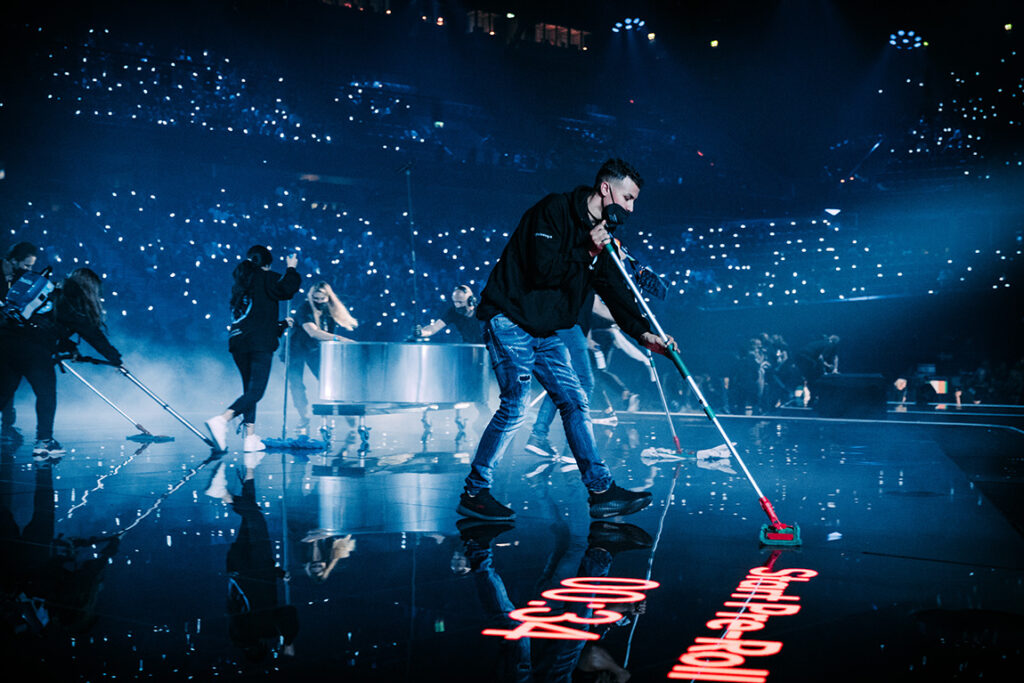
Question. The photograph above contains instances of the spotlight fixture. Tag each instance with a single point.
(906, 40)
(629, 24)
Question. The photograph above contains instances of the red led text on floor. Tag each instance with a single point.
(597, 592)
(761, 595)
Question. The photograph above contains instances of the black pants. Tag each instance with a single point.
(297, 363)
(26, 357)
(10, 415)
(254, 366)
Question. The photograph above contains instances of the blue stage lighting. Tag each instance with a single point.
(629, 24)
(906, 40)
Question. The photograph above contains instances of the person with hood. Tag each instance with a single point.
(253, 337)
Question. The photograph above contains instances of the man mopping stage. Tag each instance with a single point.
(552, 261)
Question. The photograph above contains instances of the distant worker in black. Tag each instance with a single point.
(817, 359)
(461, 315)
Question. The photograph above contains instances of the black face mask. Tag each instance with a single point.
(614, 215)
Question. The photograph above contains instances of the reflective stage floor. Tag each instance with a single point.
(351, 566)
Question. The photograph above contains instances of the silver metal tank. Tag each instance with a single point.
(416, 373)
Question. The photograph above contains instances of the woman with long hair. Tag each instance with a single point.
(318, 318)
(255, 293)
(27, 350)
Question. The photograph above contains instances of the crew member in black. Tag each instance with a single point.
(19, 259)
(461, 315)
(317, 319)
(253, 336)
(817, 359)
(27, 350)
(550, 264)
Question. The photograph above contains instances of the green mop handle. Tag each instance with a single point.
(678, 362)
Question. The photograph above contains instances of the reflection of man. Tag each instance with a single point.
(526, 659)
(461, 315)
(553, 260)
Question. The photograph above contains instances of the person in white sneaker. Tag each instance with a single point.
(253, 338)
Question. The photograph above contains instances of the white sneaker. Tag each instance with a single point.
(217, 427)
(253, 443)
(218, 487)
(252, 459)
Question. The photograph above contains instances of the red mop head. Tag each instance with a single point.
(777, 533)
(783, 534)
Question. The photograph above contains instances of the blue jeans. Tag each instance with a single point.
(576, 342)
(555, 660)
(514, 658)
(516, 356)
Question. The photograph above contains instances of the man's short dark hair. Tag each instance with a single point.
(617, 169)
(21, 251)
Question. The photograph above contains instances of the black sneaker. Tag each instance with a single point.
(47, 449)
(483, 506)
(618, 501)
(539, 445)
(480, 531)
(616, 537)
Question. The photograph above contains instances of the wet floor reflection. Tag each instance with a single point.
(162, 563)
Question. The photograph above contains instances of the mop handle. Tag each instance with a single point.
(766, 505)
(110, 403)
(678, 362)
(537, 399)
(163, 404)
(664, 401)
(287, 369)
